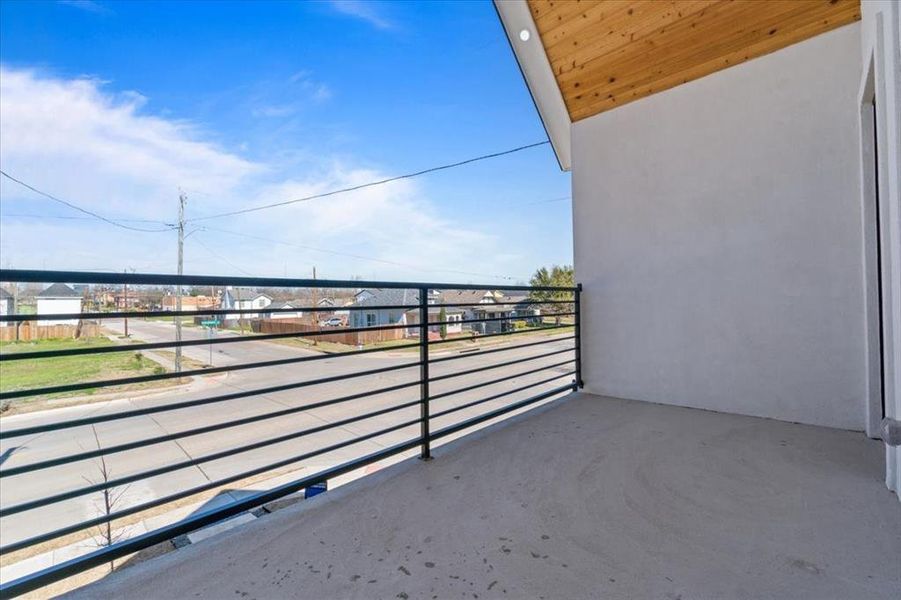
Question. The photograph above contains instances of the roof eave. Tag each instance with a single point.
(539, 77)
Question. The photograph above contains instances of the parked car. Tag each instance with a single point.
(332, 322)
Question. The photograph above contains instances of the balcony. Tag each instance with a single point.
(585, 497)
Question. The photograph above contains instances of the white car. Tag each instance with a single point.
(332, 322)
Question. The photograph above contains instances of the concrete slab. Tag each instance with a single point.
(587, 497)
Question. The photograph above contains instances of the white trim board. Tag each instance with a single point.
(540, 80)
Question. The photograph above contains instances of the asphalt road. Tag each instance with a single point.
(19, 451)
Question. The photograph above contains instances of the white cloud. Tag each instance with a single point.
(285, 98)
(367, 10)
(316, 90)
(86, 5)
(107, 153)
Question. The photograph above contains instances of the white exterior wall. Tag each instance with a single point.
(881, 48)
(717, 233)
(6, 308)
(58, 306)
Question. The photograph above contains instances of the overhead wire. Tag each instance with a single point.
(74, 206)
(361, 186)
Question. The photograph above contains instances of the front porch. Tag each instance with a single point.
(584, 497)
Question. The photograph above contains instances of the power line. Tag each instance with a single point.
(78, 208)
(372, 183)
(74, 218)
(222, 258)
(359, 256)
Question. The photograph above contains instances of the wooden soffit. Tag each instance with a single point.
(605, 53)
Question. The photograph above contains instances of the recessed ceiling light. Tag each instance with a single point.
(524, 35)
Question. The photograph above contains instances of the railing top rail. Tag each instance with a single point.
(94, 277)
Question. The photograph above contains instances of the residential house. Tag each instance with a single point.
(7, 306)
(381, 316)
(492, 304)
(452, 316)
(243, 299)
(364, 294)
(191, 303)
(330, 307)
(285, 305)
(58, 299)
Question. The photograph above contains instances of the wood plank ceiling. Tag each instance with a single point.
(605, 53)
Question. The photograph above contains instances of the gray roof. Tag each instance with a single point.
(286, 304)
(59, 290)
(466, 296)
(244, 294)
(389, 297)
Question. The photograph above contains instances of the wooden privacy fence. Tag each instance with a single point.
(28, 332)
(350, 338)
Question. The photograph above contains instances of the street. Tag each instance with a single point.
(53, 480)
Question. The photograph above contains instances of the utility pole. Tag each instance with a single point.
(16, 306)
(182, 199)
(315, 306)
(125, 293)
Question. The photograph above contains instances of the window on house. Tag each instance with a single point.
(370, 320)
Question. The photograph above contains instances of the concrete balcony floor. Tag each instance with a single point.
(586, 497)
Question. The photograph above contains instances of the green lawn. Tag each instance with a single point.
(32, 373)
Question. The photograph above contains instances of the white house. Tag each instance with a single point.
(736, 197)
(58, 299)
(240, 299)
(286, 306)
(6, 306)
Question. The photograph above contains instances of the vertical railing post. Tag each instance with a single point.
(578, 337)
(426, 452)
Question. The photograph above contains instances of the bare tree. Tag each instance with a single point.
(105, 535)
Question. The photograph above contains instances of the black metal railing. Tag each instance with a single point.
(411, 360)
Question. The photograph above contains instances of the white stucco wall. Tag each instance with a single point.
(881, 47)
(717, 232)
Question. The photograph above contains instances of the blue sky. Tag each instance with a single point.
(116, 105)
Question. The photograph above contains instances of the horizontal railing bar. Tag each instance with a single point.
(195, 372)
(97, 316)
(54, 462)
(497, 365)
(199, 402)
(111, 483)
(480, 352)
(500, 411)
(498, 396)
(88, 277)
(124, 512)
(490, 319)
(48, 575)
(490, 335)
(491, 304)
(202, 342)
(497, 380)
